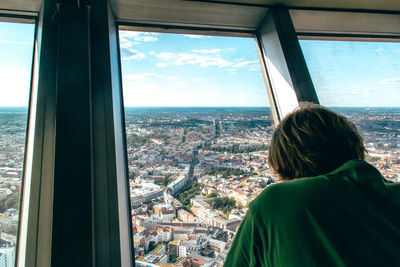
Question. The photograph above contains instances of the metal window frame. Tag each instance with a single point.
(36, 214)
(13, 16)
(286, 69)
(111, 224)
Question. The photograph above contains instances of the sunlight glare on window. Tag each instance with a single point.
(361, 80)
(16, 48)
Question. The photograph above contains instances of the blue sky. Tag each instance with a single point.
(354, 73)
(192, 70)
(16, 48)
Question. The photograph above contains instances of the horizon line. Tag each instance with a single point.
(253, 106)
(227, 106)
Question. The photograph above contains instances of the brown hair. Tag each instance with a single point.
(313, 140)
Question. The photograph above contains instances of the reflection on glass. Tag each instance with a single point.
(16, 46)
(362, 81)
(198, 128)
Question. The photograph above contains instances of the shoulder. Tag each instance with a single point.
(294, 196)
(303, 189)
(299, 188)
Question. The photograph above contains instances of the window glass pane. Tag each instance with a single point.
(16, 48)
(362, 81)
(198, 126)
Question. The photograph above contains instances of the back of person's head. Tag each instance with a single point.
(313, 140)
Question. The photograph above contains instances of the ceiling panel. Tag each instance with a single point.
(334, 22)
(21, 5)
(235, 14)
(388, 5)
(189, 13)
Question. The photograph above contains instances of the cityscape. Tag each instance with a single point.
(12, 145)
(194, 171)
(192, 174)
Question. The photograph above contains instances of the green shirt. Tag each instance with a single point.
(349, 217)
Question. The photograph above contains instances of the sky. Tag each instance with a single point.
(16, 50)
(364, 74)
(161, 69)
(190, 70)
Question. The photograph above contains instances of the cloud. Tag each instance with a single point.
(15, 42)
(255, 69)
(162, 65)
(205, 58)
(150, 76)
(16, 84)
(181, 84)
(194, 36)
(166, 56)
(390, 82)
(245, 63)
(141, 76)
(193, 59)
(173, 78)
(152, 52)
(128, 39)
(138, 36)
(125, 44)
(357, 90)
(379, 49)
(141, 93)
(251, 65)
(202, 61)
(207, 51)
(129, 53)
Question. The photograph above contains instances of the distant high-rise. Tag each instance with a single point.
(7, 257)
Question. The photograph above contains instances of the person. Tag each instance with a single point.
(332, 209)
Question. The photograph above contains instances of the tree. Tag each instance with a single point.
(172, 257)
(11, 229)
(236, 148)
(9, 202)
(167, 179)
(226, 172)
(213, 194)
(152, 245)
(224, 204)
(185, 196)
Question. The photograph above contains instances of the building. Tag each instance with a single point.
(164, 211)
(149, 223)
(217, 245)
(164, 234)
(139, 241)
(185, 216)
(187, 247)
(7, 257)
(177, 185)
(222, 223)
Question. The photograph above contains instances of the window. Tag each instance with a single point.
(197, 125)
(16, 48)
(361, 80)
